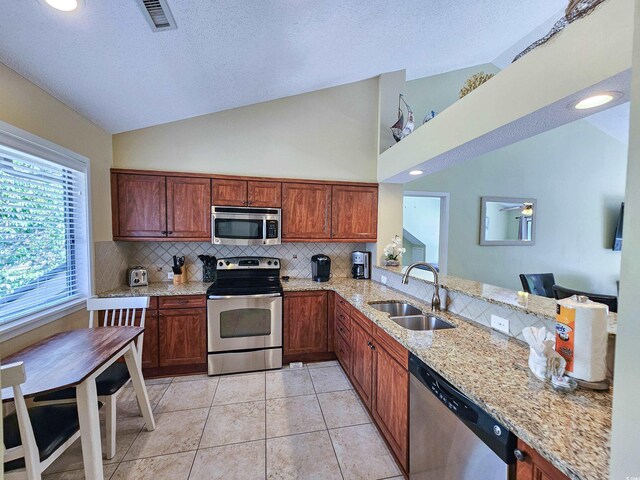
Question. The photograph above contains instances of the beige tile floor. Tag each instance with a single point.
(288, 424)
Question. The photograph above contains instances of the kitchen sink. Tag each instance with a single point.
(396, 309)
(410, 317)
(422, 322)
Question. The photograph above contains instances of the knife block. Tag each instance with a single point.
(180, 278)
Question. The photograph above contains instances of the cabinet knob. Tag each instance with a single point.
(520, 455)
(170, 232)
(164, 232)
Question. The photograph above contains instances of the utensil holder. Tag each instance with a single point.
(180, 278)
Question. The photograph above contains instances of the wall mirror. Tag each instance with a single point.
(508, 221)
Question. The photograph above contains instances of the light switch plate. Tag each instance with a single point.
(500, 324)
(383, 279)
(170, 275)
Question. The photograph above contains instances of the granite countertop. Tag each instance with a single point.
(572, 431)
(521, 301)
(159, 289)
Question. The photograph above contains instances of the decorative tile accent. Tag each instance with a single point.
(295, 257)
(111, 260)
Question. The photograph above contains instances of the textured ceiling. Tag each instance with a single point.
(106, 63)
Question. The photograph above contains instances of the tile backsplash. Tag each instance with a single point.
(158, 255)
(111, 260)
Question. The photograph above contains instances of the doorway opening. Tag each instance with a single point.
(425, 228)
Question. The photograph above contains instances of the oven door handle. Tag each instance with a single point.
(229, 297)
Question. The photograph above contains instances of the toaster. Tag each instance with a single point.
(137, 276)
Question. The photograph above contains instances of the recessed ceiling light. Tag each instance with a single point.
(64, 5)
(597, 100)
(416, 172)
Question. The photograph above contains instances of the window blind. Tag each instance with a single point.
(43, 235)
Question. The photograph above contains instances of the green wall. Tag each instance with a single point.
(577, 174)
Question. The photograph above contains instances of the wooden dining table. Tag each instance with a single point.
(75, 359)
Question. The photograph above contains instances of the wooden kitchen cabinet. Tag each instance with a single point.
(362, 362)
(305, 322)
(243, 193)
(534, 467)
(158, 207)
(306, 211)
(141, 205)
(390, 402)
(229, 192)
(188, 207)
(182, 336)
(354, 212)
(150, 357)
(264, 194)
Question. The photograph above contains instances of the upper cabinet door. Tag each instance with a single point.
(306, 211)
(230, 192)
(142, 209)
(188, 207)
(354, 213)
(264, 194)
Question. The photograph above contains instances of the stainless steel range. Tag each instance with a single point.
(244, 316)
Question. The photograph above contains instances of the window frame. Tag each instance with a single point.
(25, 142)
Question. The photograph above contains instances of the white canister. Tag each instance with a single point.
(581, 337)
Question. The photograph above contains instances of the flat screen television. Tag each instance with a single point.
(617, 238)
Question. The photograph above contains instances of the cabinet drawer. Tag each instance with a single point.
(343, 304)
(343, 352)
(391, 345)
(183, 301)
(343, 325)
(361, 320)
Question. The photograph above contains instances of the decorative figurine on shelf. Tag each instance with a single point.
(400, 129)
(429, 116)
(393, 252)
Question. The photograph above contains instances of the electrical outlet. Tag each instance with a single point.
(383, 279)
(170, 275)
(295, 255)
(500, 324)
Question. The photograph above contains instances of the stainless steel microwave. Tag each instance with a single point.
(245, 226)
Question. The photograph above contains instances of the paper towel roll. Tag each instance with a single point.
(581, 337)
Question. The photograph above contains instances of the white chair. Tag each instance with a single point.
(110, 312)
(34, 438)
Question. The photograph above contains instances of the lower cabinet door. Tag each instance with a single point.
(150, 342)
(305, 323)
(362, 362)
(534, 467)
(390, 407)
(183, 335)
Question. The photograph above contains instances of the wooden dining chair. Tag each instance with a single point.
(109, 312)
(34, 437)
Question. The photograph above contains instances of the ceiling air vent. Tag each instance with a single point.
(157, 14)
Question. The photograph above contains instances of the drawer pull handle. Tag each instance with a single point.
(520, 455)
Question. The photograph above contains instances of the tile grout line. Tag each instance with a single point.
(193, 462)
(333, 448)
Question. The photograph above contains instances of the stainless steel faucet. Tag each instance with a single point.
(435, 300)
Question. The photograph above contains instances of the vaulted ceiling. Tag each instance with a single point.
(106, 63)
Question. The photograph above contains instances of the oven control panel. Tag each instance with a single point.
(248, 263)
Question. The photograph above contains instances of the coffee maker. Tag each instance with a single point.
(361, 264)
(320, 268)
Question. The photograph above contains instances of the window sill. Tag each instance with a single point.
(31, 322)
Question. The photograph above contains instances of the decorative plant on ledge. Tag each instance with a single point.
(393, 252)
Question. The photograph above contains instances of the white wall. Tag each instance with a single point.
(577, 174)
(26, 106)
(329, 134)
(625, 461)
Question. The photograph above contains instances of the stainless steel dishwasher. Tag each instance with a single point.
(451, 438)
